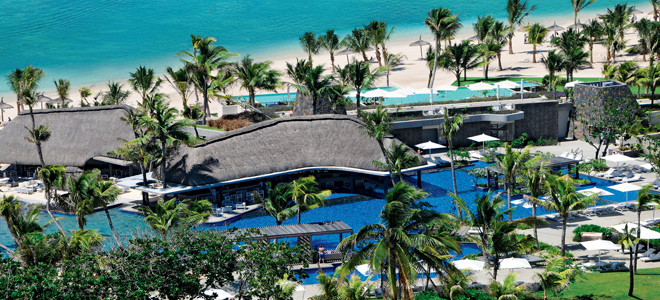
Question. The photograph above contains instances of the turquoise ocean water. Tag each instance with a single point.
(90, 41)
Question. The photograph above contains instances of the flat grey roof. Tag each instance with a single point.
(307, 229)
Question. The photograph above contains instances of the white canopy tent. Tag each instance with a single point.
(376, 93)
(481, 86)
(483, 138)
(507, 84)
(644, 233)
(600, 245)
(626, 187)
(595, 190)
(618, 158)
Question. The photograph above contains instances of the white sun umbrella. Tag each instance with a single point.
(600, 245)
(468, 264)
(352, 94)
(514, 263)
(572, 84)
(221, 294)
(481, 86)
(626, 187)
(483, 138)
(507, 84)
(644, 232)
(364, 269)
(430, 146)
(376, 93)
(3, 106)
(618, 158)
(596, 191)
(446, 88)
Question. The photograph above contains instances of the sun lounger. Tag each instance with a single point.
(623, 207)
(606, 173)
(648, 253)
(241, 205)
(226, 209)
(654, 257)
(627, 251)
(636, 177)
(590, 212)
(613, 174)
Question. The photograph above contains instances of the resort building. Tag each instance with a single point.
(81, 139)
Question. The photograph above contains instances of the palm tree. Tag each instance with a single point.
(507, 289)
(193, 113)
(360, 76)
(309, 81)
(448, 130)
(203, 62)
(39, 136)
(504, 240)
(310, 44)
(115, 94)
(277, 205)
(164, 127)
(536, 33)
(564, 199)
(306, 194)
(168, 214)
(328, 286)
(611, 41)
(444, 25)
(10, 208)
(656, 6)
(52, 176)
(556, 276)
(378, 33)
(578, 6)
(330, 41)
(647, 31)
(593, 31)
(398, 159)
(625, 72)
(509, 165)
(255, 76)
(355, 289)
(628, 241)
(62, 87)
(358, 41)
(377, 125)
(104, 192)
(181, 81)
(491, 39)
(534, 175)
(24, 80)
(391, 61)
(85, 92)
(553, 63)
(144, 82)
(81, 190)
(459, 58)
(644, 198)
(516, 12)
(650, 80)
(398, 241)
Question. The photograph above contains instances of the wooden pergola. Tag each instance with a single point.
(307, 230)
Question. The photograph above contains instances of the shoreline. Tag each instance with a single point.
(414, 73)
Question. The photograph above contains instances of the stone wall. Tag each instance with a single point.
(540, 120)
(409, 136)
(304, 106)
(590, 98)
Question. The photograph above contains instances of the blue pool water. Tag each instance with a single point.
(90, 41)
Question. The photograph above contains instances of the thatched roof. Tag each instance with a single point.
(78, 135)
(278, 145)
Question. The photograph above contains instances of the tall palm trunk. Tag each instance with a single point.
(364, 56)
(534, 53)
(499, 60)
(435, 61)
(251, 96)
(591, 52)
(563, 236)
(508, 198)
(632, 277)
(486, 72)
(163, 164)
(453, 176)
(357, 97)
(511, 44)
(112, 228)
(332, 60)
(639, 224)
(536, 235)
(48, 199)
(207, 110)
(380, 63)
(145, 195)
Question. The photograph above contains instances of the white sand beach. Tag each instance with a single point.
(413, 73)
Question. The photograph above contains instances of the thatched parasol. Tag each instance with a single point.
(576, 26)
(3, 106)
(44, 99)
(58, 100)
(420, 43)
(346, 52)
(555, 27)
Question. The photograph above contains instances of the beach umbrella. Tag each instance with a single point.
(600, 245)
(58, 100)
(572, 84)
(376, 93)
(637, 12)
(618, 158)
(429, 146)
(555, 27)
(596, 191)
(420, 43)
(625, 188)
(576, 26)
(644, 233)
(346, 52)
(483, 138)
(4, 106)
(472, 38)
(446, 88)
(468, 264)
(514, 263)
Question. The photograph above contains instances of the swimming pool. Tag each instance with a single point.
(459, 94)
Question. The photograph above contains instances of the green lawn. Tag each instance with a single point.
(615, 285)
(471, 80)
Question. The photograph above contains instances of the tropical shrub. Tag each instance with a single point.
(607, 232)
(427, 295)
(462, 158)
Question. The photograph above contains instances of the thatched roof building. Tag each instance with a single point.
(279, 146)
(79, 135)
